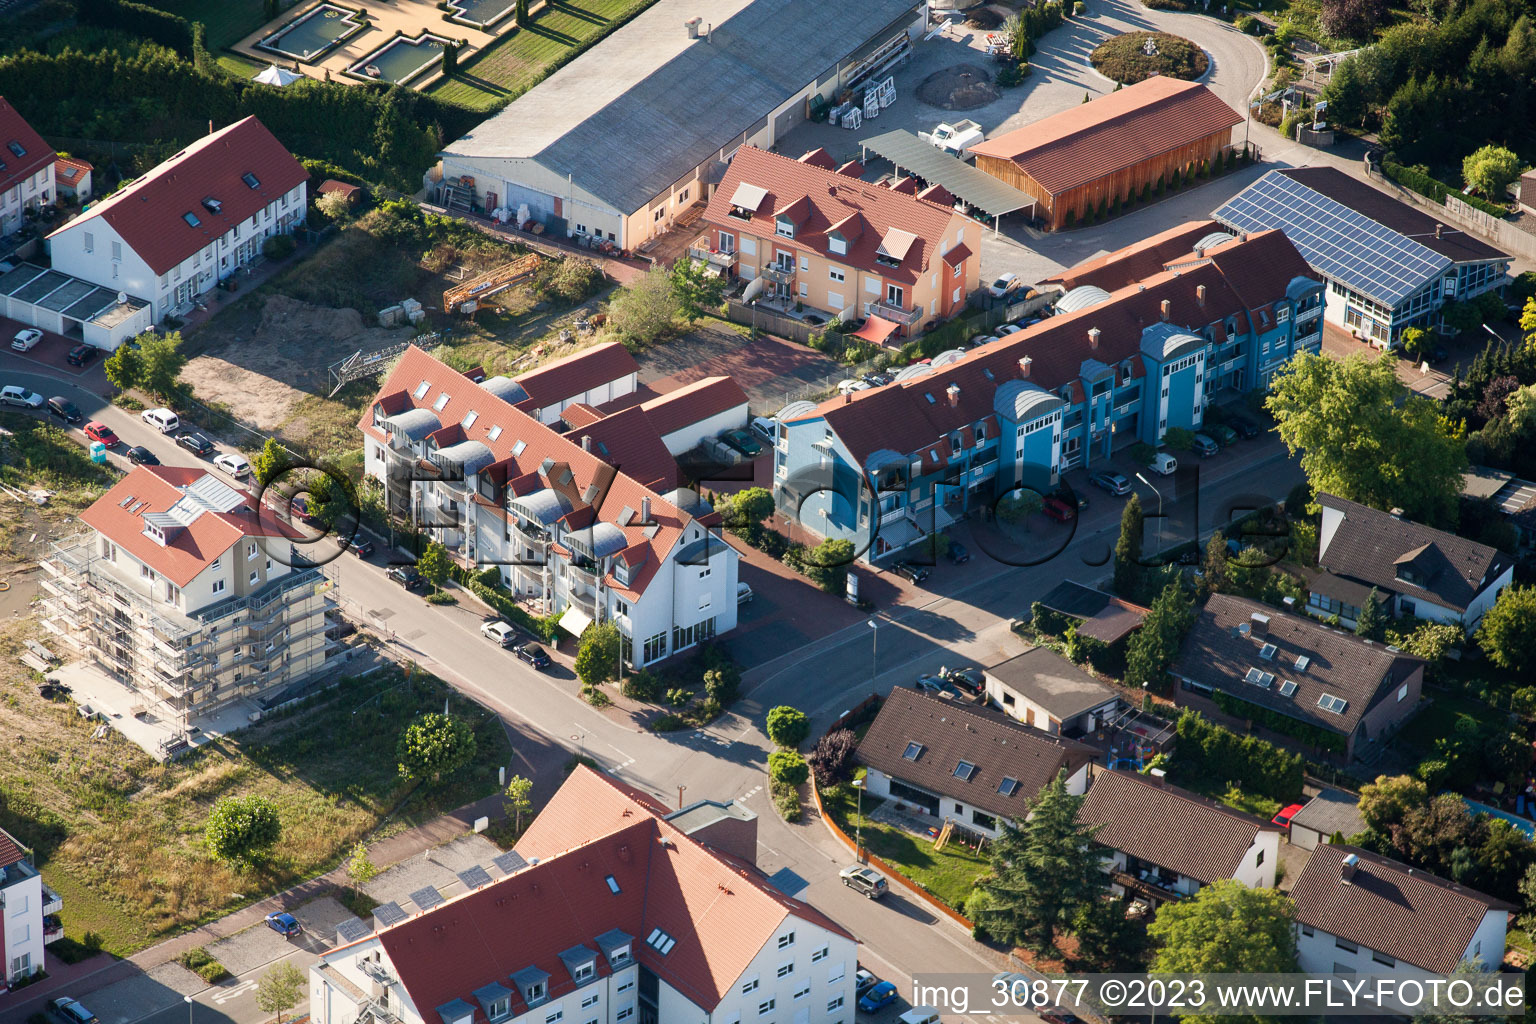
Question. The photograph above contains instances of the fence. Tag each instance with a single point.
(1502, 234)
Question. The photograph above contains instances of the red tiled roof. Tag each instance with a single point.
(330, 185)
(68, 170)
(576, 374)
(193, 547)
(539, 443)
(1115, 131)
(959, 254)
(901, 418)
(1114, 270)
(38, 154)
(720, 912)
(580, 414)
(628, 441)
(148, 213)
(828, 198)
(819, 157)
(10, 850)
(692, 403)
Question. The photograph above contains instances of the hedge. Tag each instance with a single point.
(1306, 732)
(157, 26)
(1049, 620)
(1216, 754)
(1433, 188)
(495, 595)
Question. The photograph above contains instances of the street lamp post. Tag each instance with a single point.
(874, 650)
(1159, 509)
(858, 824)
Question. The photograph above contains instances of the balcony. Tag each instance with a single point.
(53, 930)
(1309, 314)
(779, 274)
(895, 314)
(712, 257)
(53, 903)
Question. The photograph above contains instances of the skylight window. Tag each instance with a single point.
(191, 219)
(1253, 676)
(660, 941)
(421, 390)
(494, 433)
(964, 770)
(929, 396)
(1267, 652)
(17, 148)
(913, 751)
(1328, 702)
(251, 181)
(517, 449)
(469, 420)
(442, 400)
(1302, 662)
(613, 884)
(1287, 689)
(1008, 786)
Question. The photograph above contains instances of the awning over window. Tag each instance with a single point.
(575, 621)
(875, 330)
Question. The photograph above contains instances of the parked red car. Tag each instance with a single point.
(1283, 819)
(100, 432)
(1059, 510)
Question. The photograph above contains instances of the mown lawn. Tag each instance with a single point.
(949, 874)
(227, 21)
(518, 61)
(120, 836)
(1442, 718)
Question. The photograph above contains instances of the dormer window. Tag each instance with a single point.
(535, 991)
(837, 244)
(212, 205)
(619, 956)
(584, 973)
(785, 227)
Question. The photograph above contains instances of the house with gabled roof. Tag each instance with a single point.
(189, 223)
(1360, 912)
(1416, 569)
(27, 179)
(31, 918)
(571, 529)
(1245, 663)
(969, 765)
(1164, 842)
(610, 909)
(888, 466)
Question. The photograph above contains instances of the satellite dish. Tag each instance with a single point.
(122, 296)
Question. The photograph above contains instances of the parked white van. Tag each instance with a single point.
(162, 420)
(1164, 464)
(766, 428)
(920, 1015)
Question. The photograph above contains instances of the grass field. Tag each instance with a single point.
(517, 62)
(120, 836)
(1442, 719)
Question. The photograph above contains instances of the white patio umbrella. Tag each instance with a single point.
(277, 76)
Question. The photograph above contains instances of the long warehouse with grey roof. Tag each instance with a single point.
(624, 139)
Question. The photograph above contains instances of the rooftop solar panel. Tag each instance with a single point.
(510, 862)
(351, 930)
(475, 877)
(1341, 244)
(426, 897)
(387, 914)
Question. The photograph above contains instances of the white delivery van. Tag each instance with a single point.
(162, 420)
(1164, 464)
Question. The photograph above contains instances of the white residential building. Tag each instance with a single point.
(569, 532)
(29, 912)
(190, 223)
(26, 170)
(611, 910)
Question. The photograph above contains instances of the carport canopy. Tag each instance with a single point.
(976, 188)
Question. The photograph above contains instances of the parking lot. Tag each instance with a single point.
(260, 945)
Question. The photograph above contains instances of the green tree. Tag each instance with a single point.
(1128, 567)
(1527, 919)
(745, 508)
(1386, 801)
(241, 829)
(788, 727)
(434, 564)
(1372, 623)
(334, 205)
(1490, 169)
(1154, 646)
(280, 989)
(1346, 94)
(1179, 439)
(697, 292)
(1508, 632)
(1015, 507)
(1227, 928)
(1044, 872)
(450, 58)
(1107, 940)
(646, 310)
(1432, 641)
(360, 867)
(519, 800)
(597, 655)
(269, 462)
(125, 366)
(331, 501)
(1362, 437)
(1416, 344)
(827, 563)
(162, 363)
(435, 746)
(788, 768)
(522, 14)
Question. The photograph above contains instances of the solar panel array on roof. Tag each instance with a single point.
(510, 862)
(351, 930)
(426, 897)
(1339, 243)
(474, 877)
(387, 914)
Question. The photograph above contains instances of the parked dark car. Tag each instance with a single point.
(1059, 510)
(742, 442)
(80, 355)
(197, 444)
(908, 571)
(141, 456)
(1114, 483)
(957, 553)
(65, 410)
(1223, 434)
(406, 576)
(360, 546)
(1245, 427)
(970, 680)
(533, 654)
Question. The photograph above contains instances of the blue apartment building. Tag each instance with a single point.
(1144, 340)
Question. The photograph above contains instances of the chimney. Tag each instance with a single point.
(1199, 252)
(692, 25)
(1258, 623)
(1242, 236)
(586, 442)
(1158, 776)
(953, 391)
(645, 510)
(1167, 308)
(1200, 295)
(1439, 228)
(1396, 513)
(1024, 364)
(1093, 338)
(1347, 869)
(709, 32)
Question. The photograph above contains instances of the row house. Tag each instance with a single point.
(191, 222)
(887, 466)
(610, 910)
(569, 532)
(190, 592)
(27, 180)
(816, 236)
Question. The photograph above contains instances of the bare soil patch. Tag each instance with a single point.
(962, 87)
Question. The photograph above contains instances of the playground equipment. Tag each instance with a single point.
(944, 834)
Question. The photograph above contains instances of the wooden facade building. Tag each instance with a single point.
(1111, 147)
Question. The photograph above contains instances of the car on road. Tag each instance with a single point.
(880, 995)
(161, 419)
(1003, 285)
(865, 880)
(1114, 483)
(141, 456)
(15, 394)
(362, 547)
(1283, 818)
(1071, 497)
(1205, 445)
(1164, 464)
(406, 576)
(72, 1011)
(744, 593)
(499, 632)
(533, 654)
(863, 981)
(81, 354)
(957, 553)
(64, 409)
(284, 923)
(1244, 426)
(1224, 435)
(742, 442)
(98, 431)
(908, 571)
(1439, 355)
(971, 679)
(234, 464)
(197, 444)
(1058, 509)
(26, 341)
